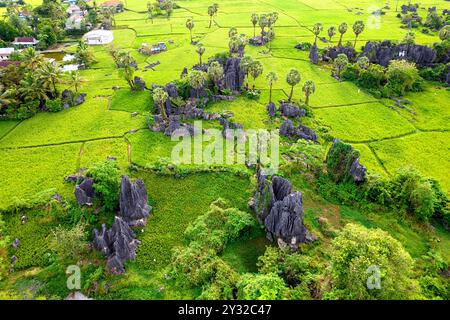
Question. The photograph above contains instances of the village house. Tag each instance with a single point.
(74, 22)
(25, 42)
(5, 53)
(74, 10)
(115, 4)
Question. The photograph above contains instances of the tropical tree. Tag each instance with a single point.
(358, 28)
(342, 30)
(50, 76)
(32, 89)
(233, 45)
(160, 97)
(444, 33)
(340, 63)
(293, 78)
(215, 72)
(256, 69)
(200, 50)
(75, 80)
(410, 38)
(245, 64)
(272, 18)
(242, 42)
(190, 25)
(212, 11)
(232, 33)
(271, 78)
(317, 29)
(254, 20)
(308, 88)
(263, 23)
(197, 79)
(168, 6)
(150, 9)
(270, 36)
(31, 58)
(363, 62)
(331, 32)
(84, 55)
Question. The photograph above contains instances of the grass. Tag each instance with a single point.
(378, 122)
(126, 100)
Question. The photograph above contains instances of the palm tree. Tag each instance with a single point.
(31, 58)
(271, 78)
(190, 25)
(242, 42)
(340, 63)
(263, 22)
(255, 70)
(197, 80)
(358, 28)
(75, 80)
(212, 11)
(254, 19)
(150, 9)
(270, 36)
(293, 78)
(50, 75)
(160, 97)
(200, 50)
(245, 64)
(342, 29)
(308, 88)
(32, 89)
(317, 29)
(331, 32)
(233, 45)
(215, 73)
(272, 19)
(232, 33)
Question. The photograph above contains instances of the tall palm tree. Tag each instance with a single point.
(331, 32)
(293, 78)
(200, 50)
(342, 30)
(150, 9)
(255, 70)
(50, 75)
(197, 80)
(271, 78)
(358, 28)
(31, 58)
(317, 29)
(245, 64)
(263, 22)
(32, 89)
(212, 11)
(215, 73)
(160, 97)
(308, 88)
(254, 19)
(190, 25)
(233, 45)
(270, 36)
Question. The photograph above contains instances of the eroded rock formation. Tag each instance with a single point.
(292, 111)
(133, 202)
(288, 129)
(84, 192)
(343, 163)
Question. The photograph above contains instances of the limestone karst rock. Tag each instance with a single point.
(383, 52)
(280, 210)
(314, 54)
(301, 132)
(139, 84)
(292, 111)
(80, 99)
(233, 74)
(119, 244)
(133, 202)
(67, 98)
(271, 109)
(349, 51)
(84, 192)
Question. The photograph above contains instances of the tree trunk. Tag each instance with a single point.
(292, 92)
(354, 45)
(254, 31)
(210, 22)
(200, 59)
(306, 98)
(340, 40)
(190, 31)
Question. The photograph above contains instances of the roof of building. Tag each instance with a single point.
(111, 3)
(105, 35)
(6, 50)
(25, 40)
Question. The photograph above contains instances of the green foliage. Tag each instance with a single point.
(261, 287)
(339, 160)
(355, 250)
(69, 244)
(4, 242)
(54, 105)
(106, 177)
(402, 76)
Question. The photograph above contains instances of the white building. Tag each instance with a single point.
(98, 37)
(74, 22)
(5, 53)
(69, 67)
(25, 42)
(74, 9)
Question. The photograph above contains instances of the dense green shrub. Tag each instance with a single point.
(54, 105)
(261, 287)
(69, 244)
(339, 160)
(357, 257)
(373, 77)
(27, 110)
(402, 76)
(106, 177)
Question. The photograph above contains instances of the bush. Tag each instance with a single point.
(253, 94)
(358, 253)
(372, 78)
(106, 177)
(27, 110)
(54, 105)
(351, 73)
(402, 76)
(261, 287)
(69, 244)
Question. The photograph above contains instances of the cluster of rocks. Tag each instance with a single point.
(229, 127)
(257, 41)
(343, 163)
(288, 129)
(280, 210)
(70, 99)
(292, 111)
(333, 52)
(119, 244)
(383, 52)
(314, 54)
(139, 84)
